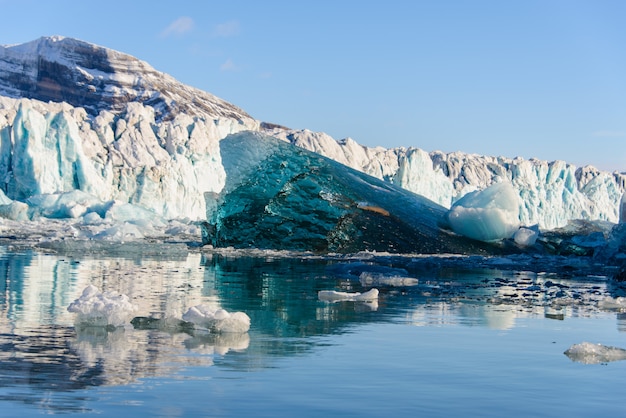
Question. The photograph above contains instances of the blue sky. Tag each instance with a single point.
(544, 79)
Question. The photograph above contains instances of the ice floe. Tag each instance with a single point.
(335, 296)
(379, 279)
(217, 320)
(590, 353)
(101, 309)
(486, 215)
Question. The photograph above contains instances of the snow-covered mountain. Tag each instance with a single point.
(76, 116)
(95, 78)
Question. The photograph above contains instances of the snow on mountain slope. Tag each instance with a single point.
(76, 116)
(84, 75)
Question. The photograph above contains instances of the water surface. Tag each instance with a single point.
(470, 342)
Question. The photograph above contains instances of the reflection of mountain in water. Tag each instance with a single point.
(42, 351)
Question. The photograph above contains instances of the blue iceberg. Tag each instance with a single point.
(278, 196)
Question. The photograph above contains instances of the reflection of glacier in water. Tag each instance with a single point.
(43, 353)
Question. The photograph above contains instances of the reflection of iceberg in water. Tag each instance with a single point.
(445, 313)
(41, 350)
(39, 287)
(218, 343)
(280, 294)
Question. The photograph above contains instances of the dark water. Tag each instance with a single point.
(458, 343)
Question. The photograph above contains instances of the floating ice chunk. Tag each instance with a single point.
(487, 215)
(525, 237)
(589, 353)
(278, 196)
(622, 209)
(377, 279)
(610, 303)
(101, 309)
(16, 211)
(217, 320)
(120, 232)
(334, 296)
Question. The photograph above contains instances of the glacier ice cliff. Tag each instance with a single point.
(113, 127)
(162, 166)
(551, 193)
(79, 117)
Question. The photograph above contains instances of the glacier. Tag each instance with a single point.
(96, 136)
(551, 193)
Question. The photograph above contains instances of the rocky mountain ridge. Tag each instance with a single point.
(82, 74)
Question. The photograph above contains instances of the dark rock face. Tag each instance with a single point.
(85, 75)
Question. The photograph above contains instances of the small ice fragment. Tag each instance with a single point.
(217, 320)
(525, 237)
(377, 279)
(589, 353)
(94, 308)
(334, 296)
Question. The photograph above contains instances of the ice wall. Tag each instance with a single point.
(551, 193)
(163, 166)
(167, 164)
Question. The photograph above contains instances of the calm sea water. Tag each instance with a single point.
(459, 343)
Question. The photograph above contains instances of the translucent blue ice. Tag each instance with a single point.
(280, 196)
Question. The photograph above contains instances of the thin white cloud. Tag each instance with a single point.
(180, 26)
(226, 29)
(229, 65)
(609, 134)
